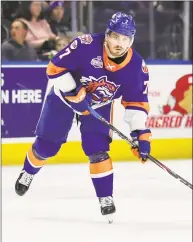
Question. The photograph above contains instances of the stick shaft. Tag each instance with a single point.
(124, 137)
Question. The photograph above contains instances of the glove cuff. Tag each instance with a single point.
(141, 135)
(145, 135)
(78, 97)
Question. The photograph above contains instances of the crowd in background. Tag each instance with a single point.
(32, 30)
(167, 25)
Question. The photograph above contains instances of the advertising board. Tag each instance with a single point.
(23, 91)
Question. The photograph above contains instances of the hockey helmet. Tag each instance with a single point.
(122, 23)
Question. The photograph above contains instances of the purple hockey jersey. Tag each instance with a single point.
(86, 59)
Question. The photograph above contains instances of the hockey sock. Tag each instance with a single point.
(37, 155)
(33, 163)
(102, 177)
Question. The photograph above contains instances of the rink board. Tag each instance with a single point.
(23, 99)
(71, 152)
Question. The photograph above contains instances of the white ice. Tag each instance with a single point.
(61, 206)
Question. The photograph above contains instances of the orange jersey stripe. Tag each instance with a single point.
(101, 167)
(33, 160)
(144, 105)
(53, 70)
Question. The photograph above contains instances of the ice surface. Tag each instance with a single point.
(61, 206)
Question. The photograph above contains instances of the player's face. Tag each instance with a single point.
(118, 43)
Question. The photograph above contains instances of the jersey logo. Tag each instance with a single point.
(97, 62)
(101, 89)
(85, 39)
(110, 66)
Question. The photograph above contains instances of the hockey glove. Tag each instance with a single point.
(143, 139)
(79, 100)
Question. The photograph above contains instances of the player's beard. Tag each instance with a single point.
(110, 54)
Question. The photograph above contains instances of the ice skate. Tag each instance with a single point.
(23, 183)
(107, 208)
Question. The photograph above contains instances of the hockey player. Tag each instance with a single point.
(94, 69)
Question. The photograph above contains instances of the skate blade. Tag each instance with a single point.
(109, 218)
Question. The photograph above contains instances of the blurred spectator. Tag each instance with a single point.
(16, 48)
(72, 35)
(170, 43)
(56, 18)
(60, 43)
(40, 36)
(9, 9)
(5, 26)
(45, 5)
(4, 33)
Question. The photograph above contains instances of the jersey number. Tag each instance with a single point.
(67, 52)
(146, 83)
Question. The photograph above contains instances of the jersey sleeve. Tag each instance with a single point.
(135, 95)
(135, 99)
(67, 60)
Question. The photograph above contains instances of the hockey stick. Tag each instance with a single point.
(158, 163)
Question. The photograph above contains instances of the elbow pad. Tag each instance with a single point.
(136, 119)
(64, 83)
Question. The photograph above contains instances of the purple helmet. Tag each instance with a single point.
(122, 23)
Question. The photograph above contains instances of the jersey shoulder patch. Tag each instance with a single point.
(86, 39)
(74, 44)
